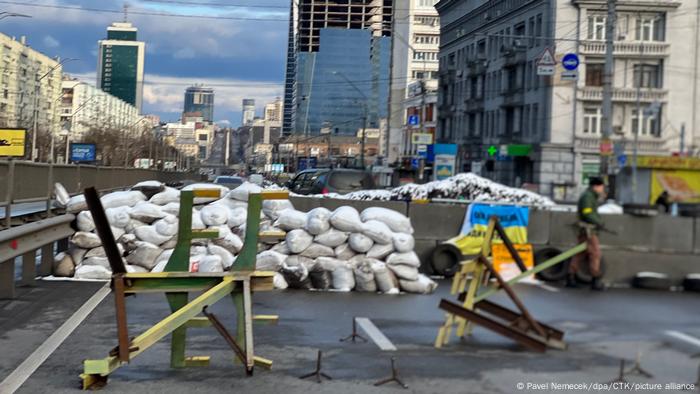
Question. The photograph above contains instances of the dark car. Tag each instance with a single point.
(336, 180)
(231, 182)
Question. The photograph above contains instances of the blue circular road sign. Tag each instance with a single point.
(570, 61)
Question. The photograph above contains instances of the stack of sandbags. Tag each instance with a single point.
(341, 250)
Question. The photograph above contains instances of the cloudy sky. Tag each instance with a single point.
(235, 46)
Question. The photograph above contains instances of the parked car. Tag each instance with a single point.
(231, 182)
(336, 180)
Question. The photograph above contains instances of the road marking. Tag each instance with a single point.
(373, 332)
(13, 381)
(548, 288)
(684, 337)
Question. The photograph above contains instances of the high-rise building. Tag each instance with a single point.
(199, 99)
(120, 62)
(274, 111)
(248, 112)
(337, 66)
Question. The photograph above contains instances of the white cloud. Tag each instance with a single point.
(51, 42)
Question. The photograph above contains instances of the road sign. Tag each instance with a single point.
(12, 142)
(82, 152)
(606, 147)
(422, 148)
(545, 70)
(570, 61)
(413, 120)
(546, 63)
(622, 160)
(569, 75)
(421, 138)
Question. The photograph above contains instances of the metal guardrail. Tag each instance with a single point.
(25, 241)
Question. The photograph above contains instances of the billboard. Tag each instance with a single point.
(12, 142)
(82, 152)
(682, 186)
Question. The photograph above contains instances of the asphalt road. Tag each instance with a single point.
(601, 328)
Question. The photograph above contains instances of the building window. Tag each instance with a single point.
(596, 27)
(647, 76)
(538, 28)
(202, 152)
(535, 114)
(648, 126)
(592, 118)
(427, 3)
(202, 137)
(594, 74)
(426, 39)
(531, 31)
(649, 28)
(427, 20)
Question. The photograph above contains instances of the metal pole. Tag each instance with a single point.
(10, 192)
(682, 138)
(35, 116)
(608, 83)
(362, 143)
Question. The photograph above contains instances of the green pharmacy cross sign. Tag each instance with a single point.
(492, 150)
(510, 150)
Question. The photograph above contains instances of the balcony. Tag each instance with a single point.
(474, 104)
(645, 146)
(626, 48)
(514, 55)
(627, 95)
(477, 67)
(513, 97)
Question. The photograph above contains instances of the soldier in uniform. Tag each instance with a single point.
(589, 223)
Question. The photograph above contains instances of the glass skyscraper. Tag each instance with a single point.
(200, 99)
(120, 64)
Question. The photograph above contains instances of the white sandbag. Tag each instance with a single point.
(77, 254)
(84, 221)
(162, 260)
(128, 241)
(237, 217)
(396, 221)
(357, 259)
(198, 249)
(223, 190)
(297, 276)
(76, 204)
(194, 262)
(269, 260)
(214, 215)
(122, 199)
(241, 192)
(379, 251)
(197, 223)
(100, 251)
(133, 224)
(150, 234)
(232, 204)
(343, 278)
(86, 240)
(407, 258)
(167, 196)
(296, 259)
(385, 278)
(227, 258)
(344, 252)
(63, 265)
(62, 196)
(317, 250)
(404, 242)
(360, 243)
(332, 238)
(172, 208)
(298, 240)
(96, 260)
(211, 263)
(149, 188)
(118, 216)
(144, 255)
(166, 226)
(130, 268)
(405, 272)
(364, 276)
(328, 263)
(92, 272)
(169, 244)
(291, 219)
(279, 282)
(422, 285)
(346, 219)
(318, 221)
(228, 240)
(281, 247)
(272, 208)
(378, 231)
(146, 212)
(117, 232)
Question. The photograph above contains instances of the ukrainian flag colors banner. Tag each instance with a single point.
(513, 219)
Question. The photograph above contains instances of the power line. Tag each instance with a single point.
(205, 4)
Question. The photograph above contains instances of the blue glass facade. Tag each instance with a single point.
(347, 76)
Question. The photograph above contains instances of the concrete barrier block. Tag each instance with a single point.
(304, 204)
(424, 249)
(360, 205)
(538, 227)
(436, 221)
(562, 230)
(621, 266)
(696, 244)
(631, 231)
(672, 234)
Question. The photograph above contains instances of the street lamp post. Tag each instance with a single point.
(364, 118)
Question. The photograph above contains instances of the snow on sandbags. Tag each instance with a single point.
(84, 221)
(214, 215)
(272, 208)
(241, 192)
(146, 212)
(149, 188)
(144, 255)
(291, 219)
(378, 231)
(318, 221)
(360, 243)
(122, 199)
(298, 240)
(396, 221)
(223, 190)
(86, 240)
(346, 218)
(403, 242)
(167, 196)
(422, 285)
(92, 272)
(269, 260)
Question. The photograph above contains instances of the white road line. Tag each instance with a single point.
(13, 381)
(373, 332)
(683, 337)
(548, 288)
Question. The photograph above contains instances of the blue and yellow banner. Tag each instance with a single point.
(513, 219)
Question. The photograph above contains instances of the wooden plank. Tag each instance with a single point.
(212, 193)
(275, 195)
(375, 334)
(248, 318)
(509, 315)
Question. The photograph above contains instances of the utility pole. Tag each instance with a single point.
(640, 119)
(362, 142)
(682, 138)
(607, 85)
